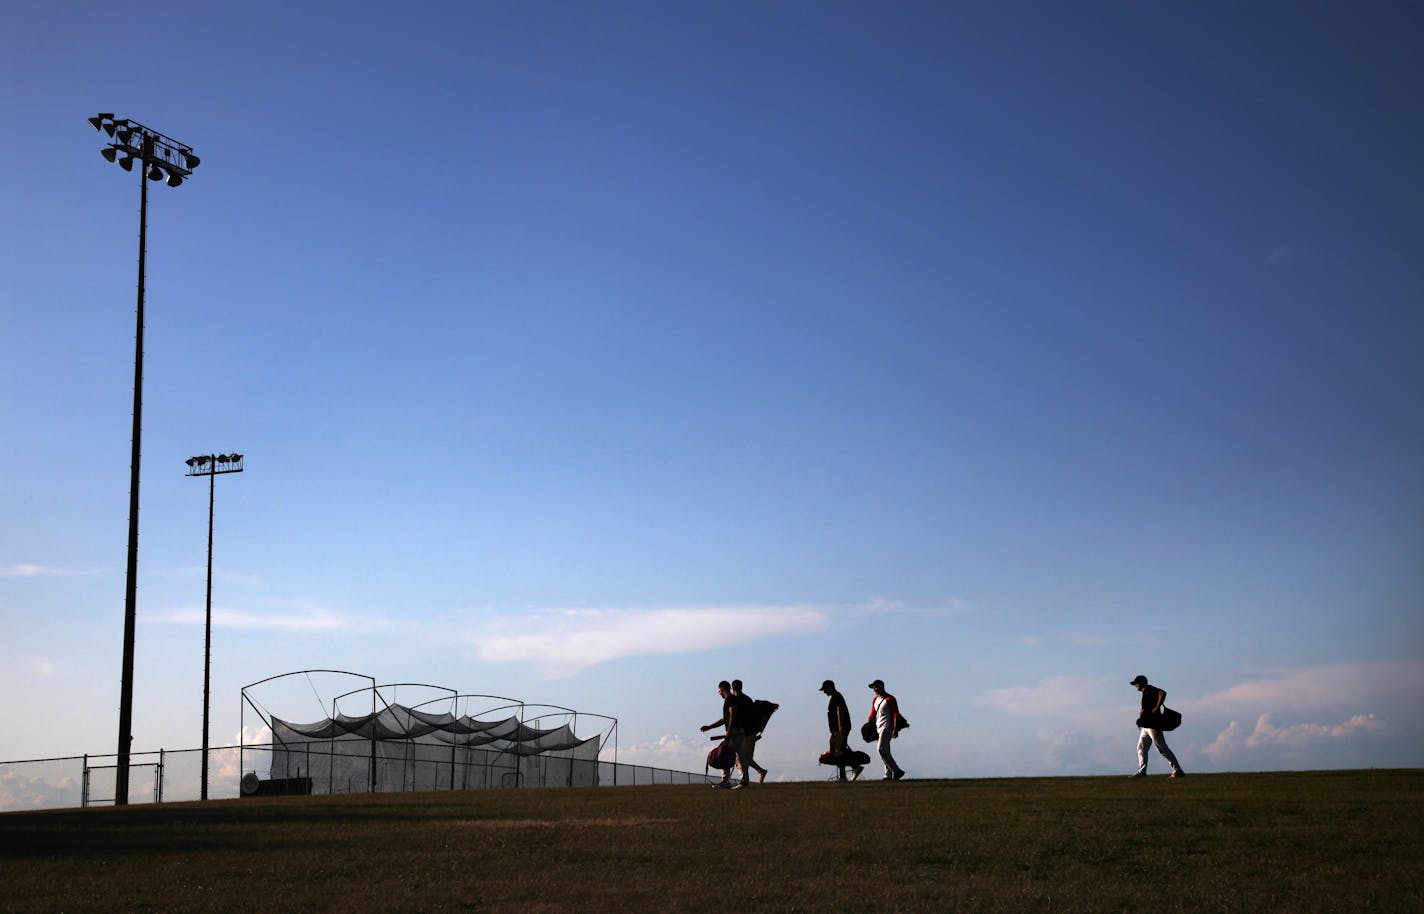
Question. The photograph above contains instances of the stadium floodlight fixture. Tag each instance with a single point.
(210, 466)
(155, 152)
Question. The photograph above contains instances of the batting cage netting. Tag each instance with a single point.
(450, 742)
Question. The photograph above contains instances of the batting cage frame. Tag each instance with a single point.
(437, 738)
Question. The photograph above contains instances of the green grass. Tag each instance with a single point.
(1312, 841)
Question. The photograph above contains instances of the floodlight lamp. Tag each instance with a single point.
(191, 160)
(109, 153)
(109, 129)
(97, 120)
(236, 458)
(155, 173)
(191, 460)
(123, 136)
(126, 163)
(222, 458)
(174, 179)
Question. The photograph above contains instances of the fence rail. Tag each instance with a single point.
(174, 776)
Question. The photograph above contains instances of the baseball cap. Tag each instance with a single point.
(1140, 680)
(828, 686)
(878, 684)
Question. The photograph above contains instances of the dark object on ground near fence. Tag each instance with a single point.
(1163, 720)
(253, 786)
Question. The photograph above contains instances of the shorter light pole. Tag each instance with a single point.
(211, 466)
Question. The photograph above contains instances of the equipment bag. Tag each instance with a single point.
(722, 756)
(761, 715)
(851, 757)
(1163, 720)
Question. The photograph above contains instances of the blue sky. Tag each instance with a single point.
(591, 353)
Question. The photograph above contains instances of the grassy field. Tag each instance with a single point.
(1313, 841)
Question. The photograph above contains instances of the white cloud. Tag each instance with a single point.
(679, 753)
(308, 619)
(951, 606)
(881, 605)
(1078, 752)
(226, 765)
(1326, 686)
(1304, 734)
(560, 643)
(1055, 694)
(1225, 744)
(46, 571)
(1233, 742)
(37, 791)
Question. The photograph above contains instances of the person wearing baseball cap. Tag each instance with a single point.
(838, 719)
(885, 712)
(1153, 699)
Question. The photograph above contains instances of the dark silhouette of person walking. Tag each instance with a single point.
(838, 720)
(733, 718)
(747, 714)
(1153, 700)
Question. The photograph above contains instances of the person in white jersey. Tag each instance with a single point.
(885, 712)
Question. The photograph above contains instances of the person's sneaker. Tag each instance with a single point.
(899, 775)
(739, 785)
(1177, 774)
(855, 772)
(1140, 774)
(761, 777)
(888, 777)
(721, 785)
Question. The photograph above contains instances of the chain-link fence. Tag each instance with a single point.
(171, 776)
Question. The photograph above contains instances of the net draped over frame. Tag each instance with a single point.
(419, 750)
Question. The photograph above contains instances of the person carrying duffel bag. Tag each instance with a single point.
(1154, 718)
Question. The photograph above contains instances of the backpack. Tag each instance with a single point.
(722, 756)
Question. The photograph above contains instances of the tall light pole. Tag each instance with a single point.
(211, 466)
(159, 157)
